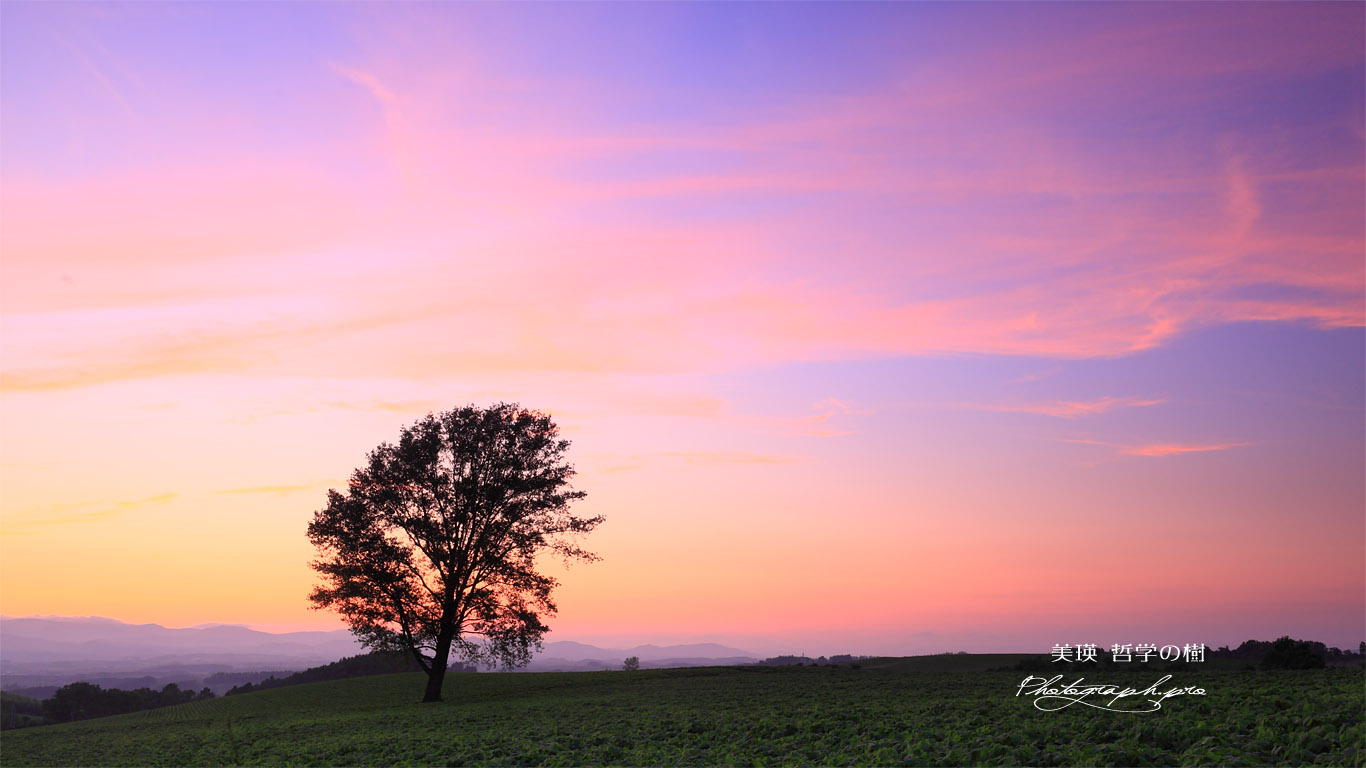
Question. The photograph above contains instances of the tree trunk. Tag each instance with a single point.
(437, 674)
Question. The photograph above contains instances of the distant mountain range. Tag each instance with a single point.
(41, 653)
(97, 643)
(567, 655)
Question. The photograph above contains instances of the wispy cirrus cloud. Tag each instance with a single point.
(821, 423)
(1033, 376)
(614, 463)
(527, 223)
(1176, 449)
(367, 81)
(729, 457)
(274, 490)
(682, 246)
(1067, 409)
(1158, 449)
(42, 518)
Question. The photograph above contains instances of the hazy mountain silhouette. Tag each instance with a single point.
(25, 641)
(50, 651)
(567, 655)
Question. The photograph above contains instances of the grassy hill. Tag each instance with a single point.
(939, 710)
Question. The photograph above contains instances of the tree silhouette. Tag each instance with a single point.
(432, 549)
(631, 664)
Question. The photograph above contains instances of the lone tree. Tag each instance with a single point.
(432, 549)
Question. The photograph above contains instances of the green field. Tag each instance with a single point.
(919, 711)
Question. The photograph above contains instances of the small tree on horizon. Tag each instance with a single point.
(631, 664)
(434, 543)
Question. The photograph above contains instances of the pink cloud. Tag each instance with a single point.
(1175, 449)
(1066, 409)
(499, 243)
(445, 224)
(616, 463)
(1160, 449)
(729, 457)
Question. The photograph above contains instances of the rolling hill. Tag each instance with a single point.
(919, 711)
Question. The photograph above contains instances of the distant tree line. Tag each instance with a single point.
(1283, 653)
(82, 700)
(807, 661)
(1289, 653)
(376, 663)
(219, 680)
(19, 711)
(79, 701)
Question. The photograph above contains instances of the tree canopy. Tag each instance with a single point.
(432, 548)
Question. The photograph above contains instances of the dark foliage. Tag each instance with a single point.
(783, 661)
(1257, 652)
(79, 701)
(376, 663)
(19, 711)
(788, 660)
(236, 679)
(1288, 653)
(432, 548)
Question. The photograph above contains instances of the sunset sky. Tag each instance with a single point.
(877, 328)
